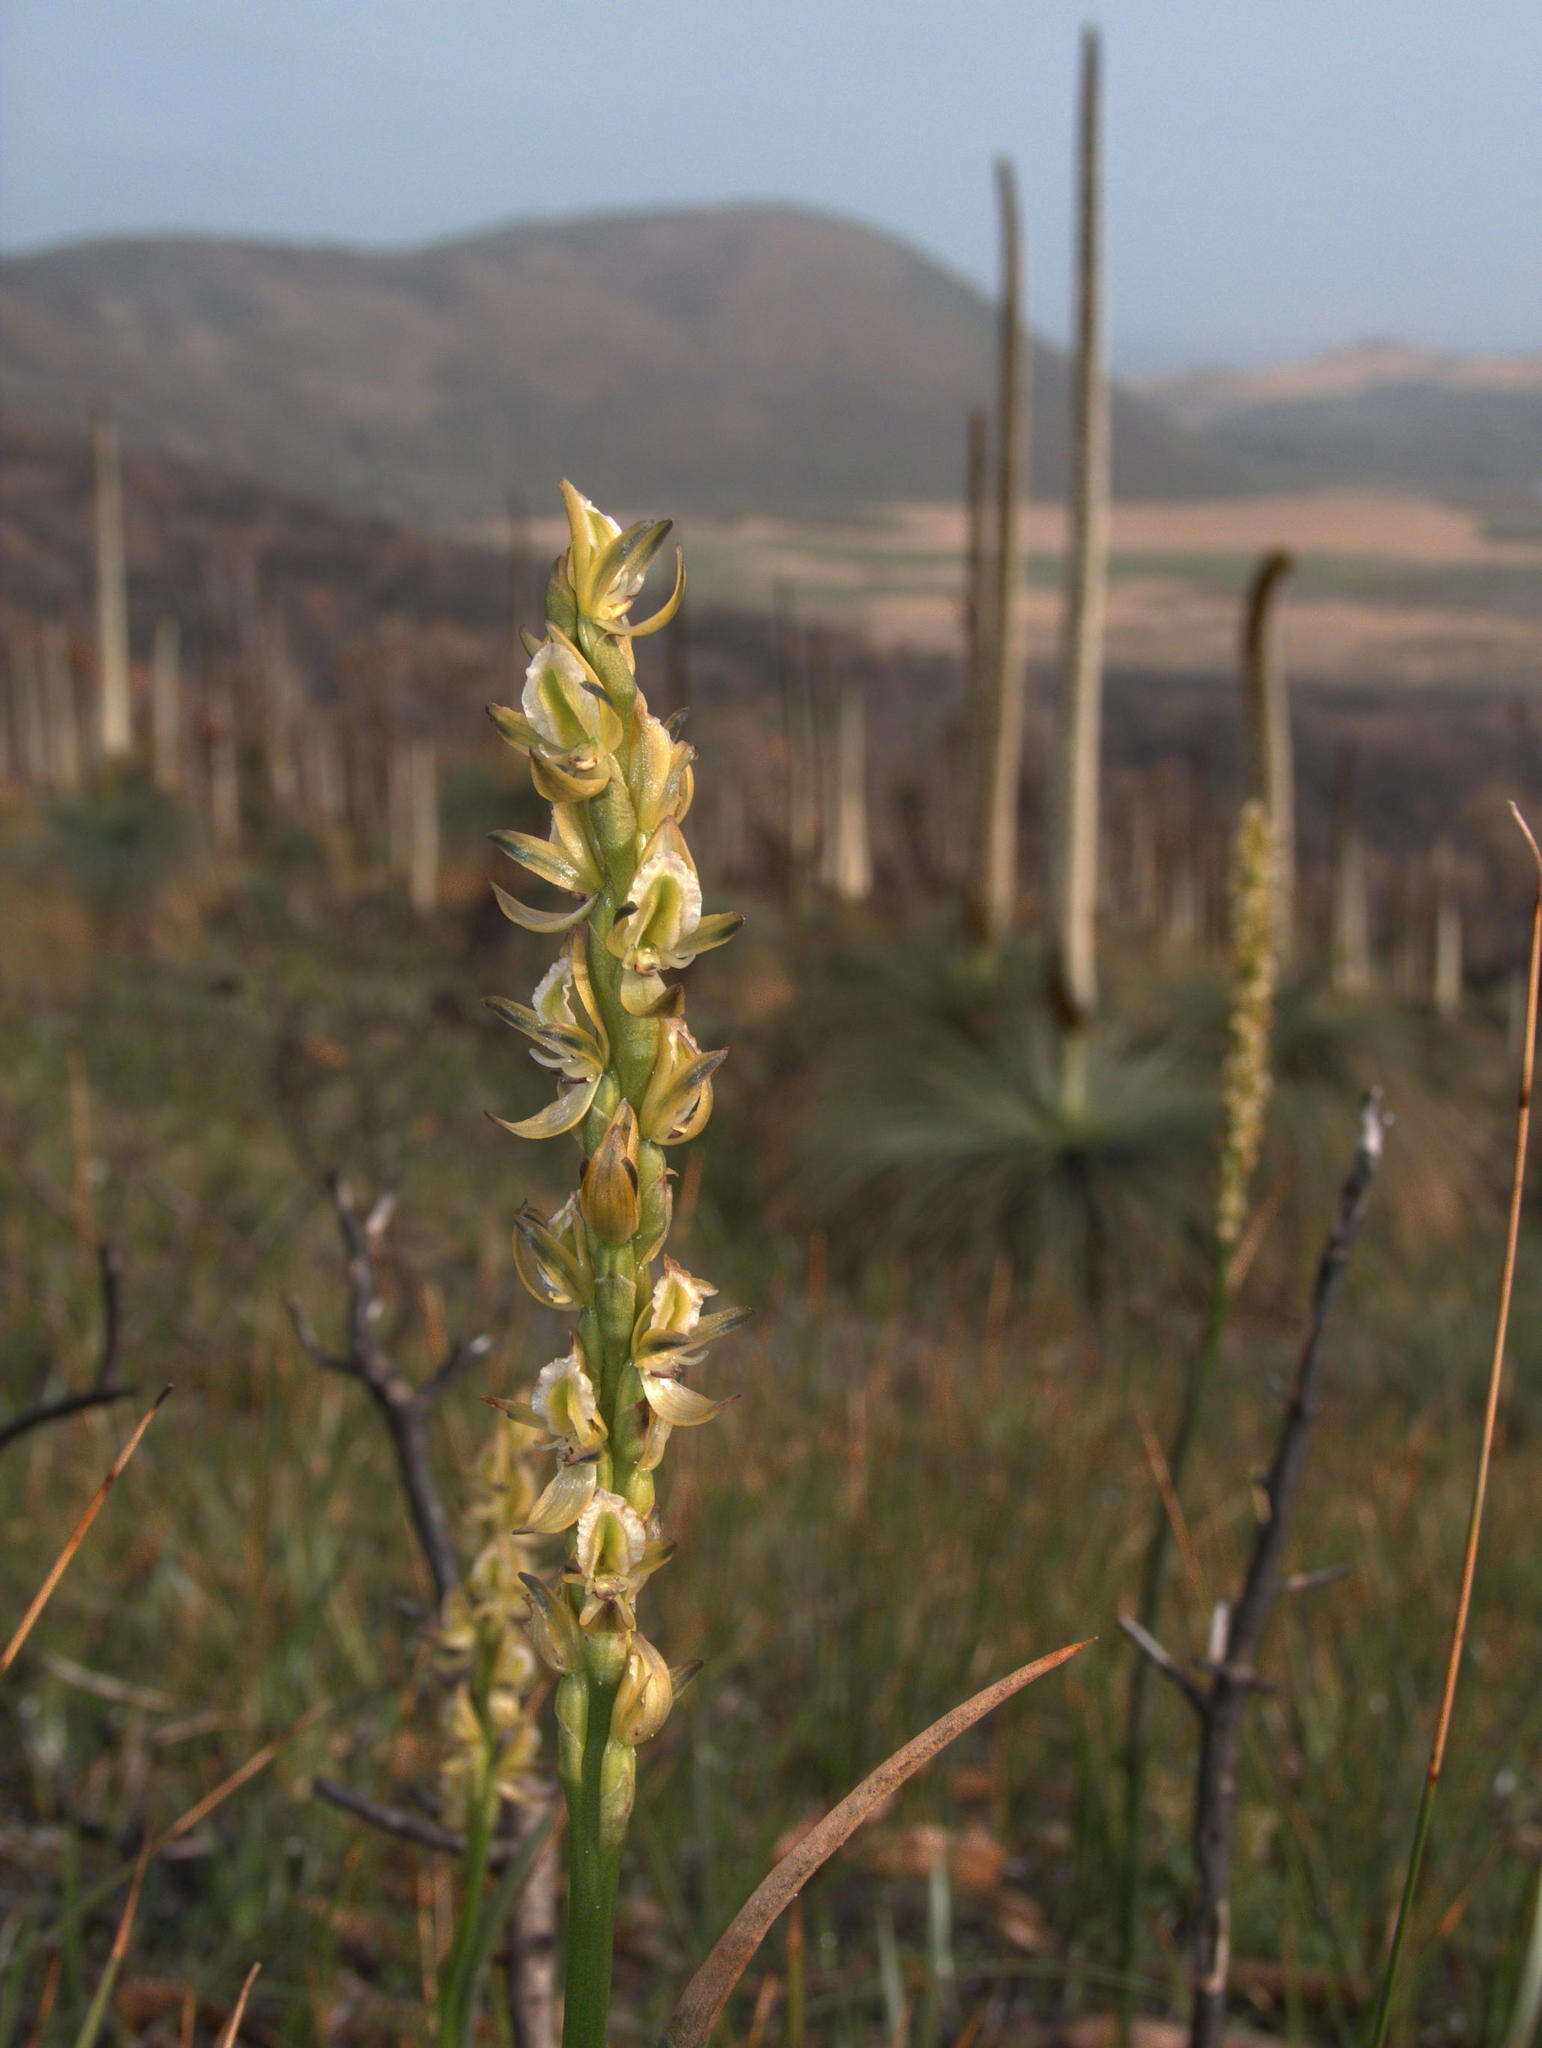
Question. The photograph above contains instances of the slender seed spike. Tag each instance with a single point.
(1075, 787)
(1271, 770)
(994, 867)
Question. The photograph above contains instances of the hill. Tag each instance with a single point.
(722, 359)
(1377, 414)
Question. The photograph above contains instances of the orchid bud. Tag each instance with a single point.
(646, 1695)
(608, 1195)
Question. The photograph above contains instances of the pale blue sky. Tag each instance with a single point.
(1285, 175)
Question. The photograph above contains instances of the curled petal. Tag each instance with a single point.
(715, 930)
(569, 1109)
(678, 1099)
(540, 920)
(585, 988)
(565, 1047)
(514, 728)
(646, 995)
(655, 1438)
(657, 1347)
(551, 1268)
(566, 1500)
(677, 1404)
(668, 608)
(549, 862)
(619, 570)
(569, 778)
(694, 1120)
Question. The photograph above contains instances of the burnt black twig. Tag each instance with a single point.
(406, 1410)
(1233, 1676)
(105, 1387)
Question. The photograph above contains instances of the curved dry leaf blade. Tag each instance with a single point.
(708, 1991)
(228, 2032)
(76, 1537)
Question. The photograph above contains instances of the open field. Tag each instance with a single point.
(1389, 591)
(934, 1467)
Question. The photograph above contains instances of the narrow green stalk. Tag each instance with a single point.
(91, 2025)
(593, 1870)
(1528, 1996)
(457, 1995)
(1383, 2013)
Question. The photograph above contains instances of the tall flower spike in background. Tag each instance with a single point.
(632, 1082)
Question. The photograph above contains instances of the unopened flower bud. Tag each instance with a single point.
(608, 1196)
(618, 1788)
(553, 1627)
(646, 1695)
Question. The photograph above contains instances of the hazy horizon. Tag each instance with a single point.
(1279, 183)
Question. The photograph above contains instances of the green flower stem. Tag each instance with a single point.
(633, 1040)
(593, 1865)
(1201, 1372)
(457, 1993)
(593, 1870)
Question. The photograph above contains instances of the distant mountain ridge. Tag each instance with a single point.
(1377, 413)
(727, 359)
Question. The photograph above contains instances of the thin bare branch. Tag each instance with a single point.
(460, 1356)
(1312, 1582)
(1233, 1665)
(406, 1410)
(110, 1272)
(413, 1827)
(105, 1388)
(1168, 1665)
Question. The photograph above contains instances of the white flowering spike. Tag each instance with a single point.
(607, 1021)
